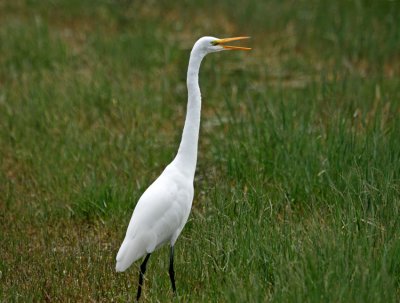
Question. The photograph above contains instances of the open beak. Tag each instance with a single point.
(226, 40)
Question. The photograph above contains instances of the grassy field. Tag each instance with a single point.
(297, 191)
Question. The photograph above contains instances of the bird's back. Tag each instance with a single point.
(159, 217)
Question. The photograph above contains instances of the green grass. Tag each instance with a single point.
(297, 191)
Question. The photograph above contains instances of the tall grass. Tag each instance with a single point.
(297, 191)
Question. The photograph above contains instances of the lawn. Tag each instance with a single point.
(297, 189)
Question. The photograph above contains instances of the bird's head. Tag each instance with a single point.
(211, 44)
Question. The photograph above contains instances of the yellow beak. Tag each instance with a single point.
(226, 40)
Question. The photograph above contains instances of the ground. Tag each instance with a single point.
(297, 191)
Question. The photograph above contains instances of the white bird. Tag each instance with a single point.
(163, 209)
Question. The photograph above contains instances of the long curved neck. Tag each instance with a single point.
(186, 157)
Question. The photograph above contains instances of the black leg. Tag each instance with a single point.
(171, 269)
(141, 274)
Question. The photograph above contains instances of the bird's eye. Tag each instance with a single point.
(215, 42)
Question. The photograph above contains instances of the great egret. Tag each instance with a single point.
(163, 209)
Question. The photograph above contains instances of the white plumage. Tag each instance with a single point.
(163, 209)
(159, 216)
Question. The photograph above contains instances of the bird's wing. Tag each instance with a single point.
(160, 212)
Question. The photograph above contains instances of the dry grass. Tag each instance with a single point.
(297, 195)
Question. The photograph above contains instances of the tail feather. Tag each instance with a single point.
(127, 254)
(133, 249)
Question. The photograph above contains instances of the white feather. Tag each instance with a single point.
(163, 209)
(159, 216)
